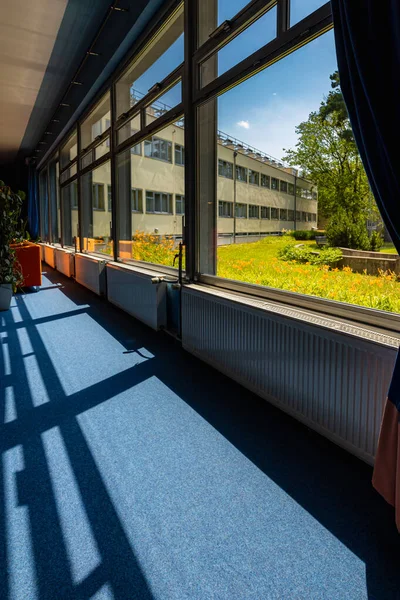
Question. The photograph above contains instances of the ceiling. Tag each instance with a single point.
(28, 31)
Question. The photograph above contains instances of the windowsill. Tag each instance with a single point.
(225, 177)
(254, 184)
(155, 212)
(160, 159)
(99, 209)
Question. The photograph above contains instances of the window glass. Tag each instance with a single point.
(69, 151)
(151, 232)
(265, 180)
(254, 211)
(241, 173)
(253, 177)
(299, 9)
(179, 155)
(212, 14)
(284, 187)
(283, 214)
(225, 209)
(225, 169)
(265, 212)
(164, 103)
(96, 123)
(54, 202)
(291, 189)
(130, 128)
(159, 58)
(274, 183)
(70, 172)
(97, 210)
(241, 211)
(248, 41)
(179, 204)
(44, 206)
(69, 209)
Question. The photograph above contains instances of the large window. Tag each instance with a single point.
(158, 148)
(254, 211)
(225, 209)
(241, 173)
(158, 202)
(97, 210)
(69, 209)
(274, 183)
(225, 169)
(179, 204)
(137, 203)
(265, 180)
(265, 212)
(179, 155)
(253, 177)
(241, 211)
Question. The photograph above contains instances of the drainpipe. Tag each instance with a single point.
(234, 196)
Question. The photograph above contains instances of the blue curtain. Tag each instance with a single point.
(367, 38)
(33, 203)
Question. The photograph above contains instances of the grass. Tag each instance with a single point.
(258, 263)
(389, 248)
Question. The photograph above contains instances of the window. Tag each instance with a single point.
(109, 198)
(241, 173)
(158, 148)
(225, 169)
(274, 213)
(284, 187)
(137, 149)
(304, 217)
(290, 215)
(158, 202)
(265, 212)
(98, 196)
(179, 204)
(314, 196)
(179, 155)
(298, 215)
(254, 211)
(253, 177)
(291, 189)
(97, 122)
(69, 205)
(69, 151)
(136, 198)
(314, 217)
(225, 209)
(265, 180)
(241, 211)
(283, 214)
(274, 183)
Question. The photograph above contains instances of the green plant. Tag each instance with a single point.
(345, 232)
(302, 254)
(376, 241)
(309, 234)
(10, 230)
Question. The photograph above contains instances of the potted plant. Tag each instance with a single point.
(10, 273)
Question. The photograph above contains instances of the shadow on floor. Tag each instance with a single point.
(327, 482)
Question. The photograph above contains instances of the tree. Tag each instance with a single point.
(327, 155)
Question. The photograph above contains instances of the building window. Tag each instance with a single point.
(314, 196)
(158, 202)
(179, 204)
(109, 198)
(290, 215)
(241, 173)
(274, 183)
(98, 196)
(265, 212)
(265, 181)
(136, 199)
(284, 187)
(158, 148)
(298, 190)
(254, 211)
(298, 215)
(225, 169)
(241, 211)
(283, 214)
(275, 213)
(253, 177)
(304, 217)
(225, 209)
(179, 155)
(314, 217)
(137, 149)
(291, 189)
(74, 194)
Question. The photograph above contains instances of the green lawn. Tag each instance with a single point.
(388, 248)
(258, 262)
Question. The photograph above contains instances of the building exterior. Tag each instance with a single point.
(256, 195)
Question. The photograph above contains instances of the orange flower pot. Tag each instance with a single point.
(28, 256)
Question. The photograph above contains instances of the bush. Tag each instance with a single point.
(343, 231)
(308, 234)
(327, 256)
(376, 241)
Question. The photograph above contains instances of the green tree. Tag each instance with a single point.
(327, 155)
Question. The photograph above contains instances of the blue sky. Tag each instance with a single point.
(264, 110)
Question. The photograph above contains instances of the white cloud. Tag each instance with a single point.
(274, 94)
(244, 124)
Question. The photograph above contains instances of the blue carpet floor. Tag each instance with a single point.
(130, 470)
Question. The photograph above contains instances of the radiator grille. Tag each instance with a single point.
(334, 382)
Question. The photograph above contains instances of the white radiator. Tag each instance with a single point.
(90, 272)
(42, 247)
(328, 374)
(50, 255)
(65, 262)
(131, 289)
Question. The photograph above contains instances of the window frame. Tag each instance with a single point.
(161, 194)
